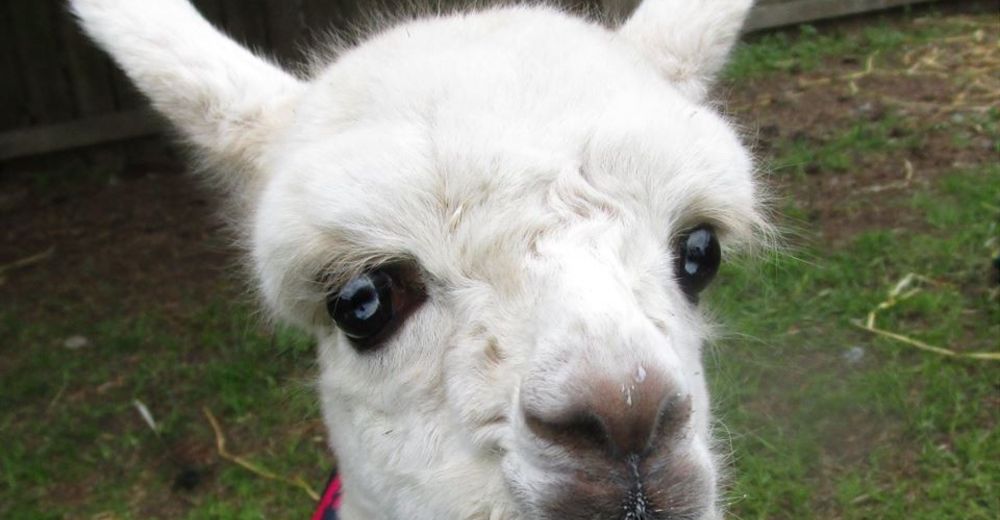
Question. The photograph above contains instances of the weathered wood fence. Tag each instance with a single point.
(57, 91)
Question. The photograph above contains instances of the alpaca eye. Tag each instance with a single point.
(698, 257)
(372, 306)
(364, 307)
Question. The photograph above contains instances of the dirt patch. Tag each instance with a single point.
(142, 240)
(910, 115)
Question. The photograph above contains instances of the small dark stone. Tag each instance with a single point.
(187, 479)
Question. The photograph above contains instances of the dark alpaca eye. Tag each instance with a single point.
(364, 307)
(370, 307)
(698, 257)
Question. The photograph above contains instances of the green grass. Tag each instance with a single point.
(70, 426)
(902, 433)
(899, 433)
(844, 150)
(805, 48)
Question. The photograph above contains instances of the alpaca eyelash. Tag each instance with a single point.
(330, 278)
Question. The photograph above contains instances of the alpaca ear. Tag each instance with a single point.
(225, 100)
(687, 40)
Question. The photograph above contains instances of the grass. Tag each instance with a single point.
(92, 442)
(899, 433)
(824, 420)
(807, 48)
(840, 152)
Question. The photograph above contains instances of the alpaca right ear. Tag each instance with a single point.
(225, 100)
(687, 40)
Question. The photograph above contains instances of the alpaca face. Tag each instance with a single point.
(495, 225)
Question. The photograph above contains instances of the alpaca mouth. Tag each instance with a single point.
(642, 490)
(636, 506)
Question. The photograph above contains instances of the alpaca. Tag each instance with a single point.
(496, 225)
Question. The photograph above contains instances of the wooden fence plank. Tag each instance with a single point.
(12, 91)
(127, 96)
(48, 96)
(89, 70)
(246, 22)
(212, 11)
(769, 14)
(42, 90)
(773, 15)
(286, 29)
(80, 133)
(323, 16)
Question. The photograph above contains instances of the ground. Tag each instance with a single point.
(881, 138)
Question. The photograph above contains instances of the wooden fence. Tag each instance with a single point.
(60, 92)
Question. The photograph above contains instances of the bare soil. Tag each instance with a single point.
(927, 92)
(144, 239)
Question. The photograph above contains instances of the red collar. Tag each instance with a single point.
(329, 504)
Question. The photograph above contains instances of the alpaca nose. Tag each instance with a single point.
(630, 416)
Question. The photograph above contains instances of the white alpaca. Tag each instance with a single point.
(496, 225)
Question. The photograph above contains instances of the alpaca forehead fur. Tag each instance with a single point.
(446, 137)
(537, 168)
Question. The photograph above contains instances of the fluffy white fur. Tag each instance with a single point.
(538, 168)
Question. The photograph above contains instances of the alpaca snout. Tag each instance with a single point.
(622, 444)
(612, 417)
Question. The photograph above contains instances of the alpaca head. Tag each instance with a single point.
(496, 225)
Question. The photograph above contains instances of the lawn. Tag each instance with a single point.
(881, 139)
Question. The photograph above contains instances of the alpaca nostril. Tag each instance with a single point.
(675, 412)
(577, 430)
(648, 416)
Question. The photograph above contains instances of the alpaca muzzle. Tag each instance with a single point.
(629, 447)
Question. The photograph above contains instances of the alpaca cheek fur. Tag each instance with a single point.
(402, 436)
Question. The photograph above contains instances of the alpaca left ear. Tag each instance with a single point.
(687, 40)
(223, 99)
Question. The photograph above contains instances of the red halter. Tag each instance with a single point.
(329, 504)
